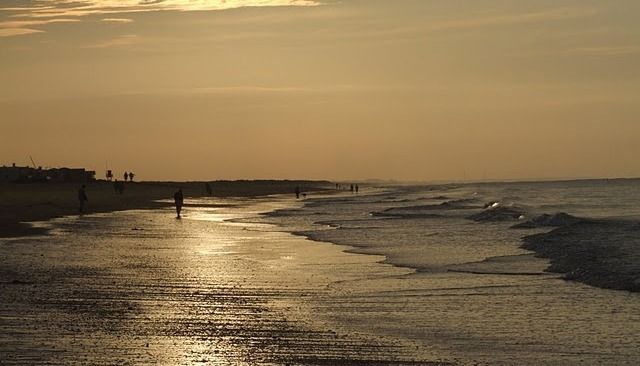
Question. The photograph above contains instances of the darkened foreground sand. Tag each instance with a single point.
(602, 253)
(21, 203)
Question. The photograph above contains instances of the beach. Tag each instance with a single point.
(21, 203)
(396, 275)
(140, 287)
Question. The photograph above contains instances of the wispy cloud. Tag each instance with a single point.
(77, 8)
(120, 41)
(12, 28)
(513, 19)
(270, 90)
(117, 20)
(53, 11)
(11, 32)
(606, 51)
(430, 27)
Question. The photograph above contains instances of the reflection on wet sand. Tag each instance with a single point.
(140, 287)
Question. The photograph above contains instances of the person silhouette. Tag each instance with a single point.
(357, 188)
(82, 197)
(126, 176)
(131, 176)
(179, 200)
(297, 192)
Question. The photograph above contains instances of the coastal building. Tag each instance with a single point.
(23, 174)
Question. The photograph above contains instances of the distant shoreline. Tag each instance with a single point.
(27, 202)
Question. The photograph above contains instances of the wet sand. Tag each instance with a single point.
(140, 287)
(21, 203)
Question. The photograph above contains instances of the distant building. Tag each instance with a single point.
(22, 174)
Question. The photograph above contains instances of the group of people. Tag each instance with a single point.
(298, 193)
(354, 187)
(178, 196)
(118, 186)
(129, 176)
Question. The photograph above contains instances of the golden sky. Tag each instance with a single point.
(323, 89)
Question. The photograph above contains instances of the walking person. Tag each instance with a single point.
(82, 197)
(178, 198)
(126, 176)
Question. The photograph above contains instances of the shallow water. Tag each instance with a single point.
(477, 296)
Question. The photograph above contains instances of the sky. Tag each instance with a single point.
(415, 90)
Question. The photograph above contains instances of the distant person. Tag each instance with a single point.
(126, 176)
(352, 188)
(131, 175)
(304, 196)
(82, 197)
(179, 200)
(337, 186)
(357, 189)
(207, 188)
(297, 192)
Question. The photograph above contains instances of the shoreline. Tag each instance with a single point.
(21, 204)
(595, 252)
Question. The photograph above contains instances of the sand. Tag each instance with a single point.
(21, 203)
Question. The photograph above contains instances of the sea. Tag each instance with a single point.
(472, 293)
(523, 273)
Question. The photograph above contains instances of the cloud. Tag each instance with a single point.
(78, 8)
(54, 11)
(30, 22)
(11, 32)
(430, 27)
(11, 28)
(271, 90)
(117, 20)
(120, 41)
(605, 51)
(513, 19)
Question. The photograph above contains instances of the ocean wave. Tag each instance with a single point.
(498, 213)
(601, 253)
(546, 220)
(460, 204)
(398, 215)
